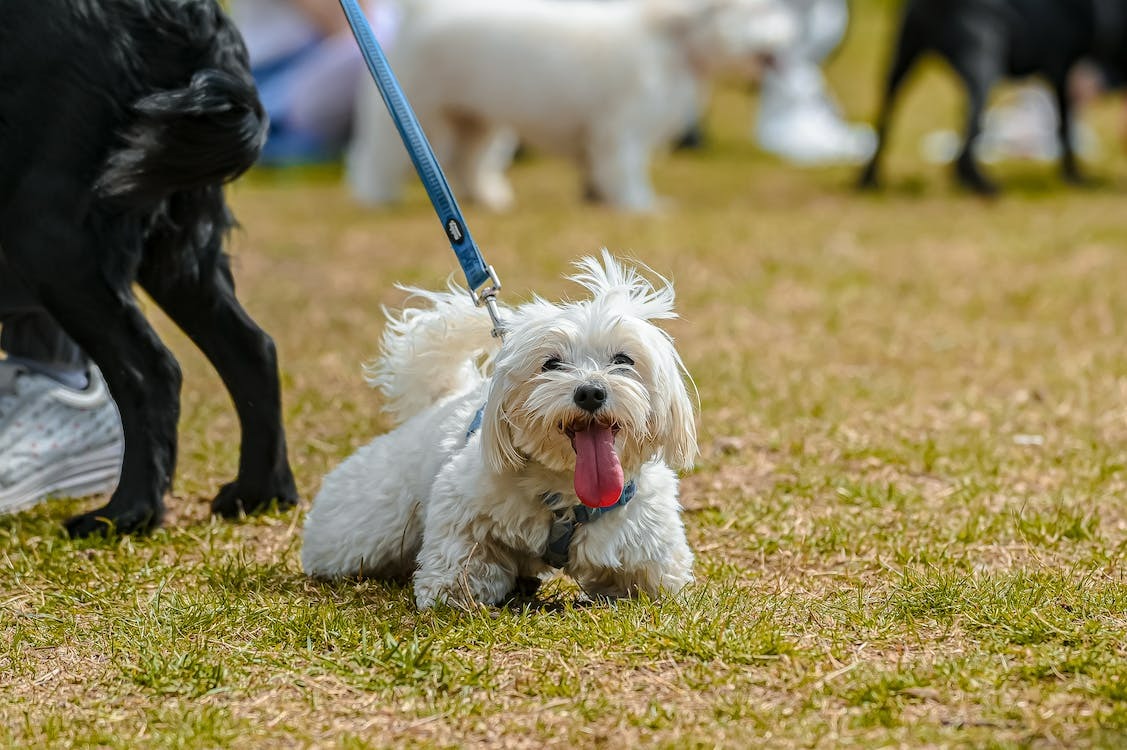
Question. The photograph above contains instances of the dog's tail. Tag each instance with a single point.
(206, 132)
(429, 352)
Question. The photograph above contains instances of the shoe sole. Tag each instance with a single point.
(93, 473)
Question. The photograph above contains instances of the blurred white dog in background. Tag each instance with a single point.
(555, 450)
(603, 83)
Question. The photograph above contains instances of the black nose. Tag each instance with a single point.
(590, 397)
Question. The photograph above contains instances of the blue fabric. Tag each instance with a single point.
(475, 425)
(286, 145)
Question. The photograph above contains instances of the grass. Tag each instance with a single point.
(909, 510)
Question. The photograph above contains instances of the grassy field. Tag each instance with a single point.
(909, 510)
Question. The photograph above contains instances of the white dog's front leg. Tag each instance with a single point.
(456, 569)
(376, 162)
(619, 172)
(610, 562)
(656, 579)
(487, 158)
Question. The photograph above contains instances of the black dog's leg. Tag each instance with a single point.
(1070, 169)
(144, 381)
(107, 324)
(910, 44)
(979, 72)
(206, 309)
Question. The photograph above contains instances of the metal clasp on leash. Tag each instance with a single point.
(488, 296)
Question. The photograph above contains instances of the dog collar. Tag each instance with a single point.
(565, 518)
(475, 423)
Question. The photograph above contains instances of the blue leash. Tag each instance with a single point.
(478, 274)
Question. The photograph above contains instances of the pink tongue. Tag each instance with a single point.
(598, 475)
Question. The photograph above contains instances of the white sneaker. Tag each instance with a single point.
(55, 441)
(816, 136)
(799, 122)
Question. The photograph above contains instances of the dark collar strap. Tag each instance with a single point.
(566, 519)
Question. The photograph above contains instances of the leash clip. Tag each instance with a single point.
(488, 297)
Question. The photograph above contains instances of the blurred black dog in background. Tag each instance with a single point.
(988, 40)
(119, 122)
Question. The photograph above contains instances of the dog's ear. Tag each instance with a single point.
(674, 418)
(497, 445)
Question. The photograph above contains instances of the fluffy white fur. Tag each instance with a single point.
(467, 517)
(603, 83)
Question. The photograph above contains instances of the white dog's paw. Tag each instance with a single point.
(455, 596)
(474, 584)
(495, 193)
(372, 195)
(426, 598)
(636, 197)
(432, 594)
(663, 205)
(652, 205)
(370, 186)
(629, 586)
(371, 192)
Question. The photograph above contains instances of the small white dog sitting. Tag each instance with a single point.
(603, 83)
(560, 459)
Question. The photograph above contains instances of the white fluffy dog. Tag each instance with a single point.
(561, 458)
(604, 83)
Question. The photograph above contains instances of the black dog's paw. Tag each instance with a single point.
(985, 189)
(980, 185)
(976, 182)
(234, 500)
(1077, 179)
(868, 179)
(106, 522)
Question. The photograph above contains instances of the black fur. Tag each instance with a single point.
(988, 40)
(119, 122)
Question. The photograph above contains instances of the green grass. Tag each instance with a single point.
(909, 510)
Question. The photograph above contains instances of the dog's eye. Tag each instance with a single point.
(622, 359)
(552, 363)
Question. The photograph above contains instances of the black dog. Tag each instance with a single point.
(119, 122)
(988, 40)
